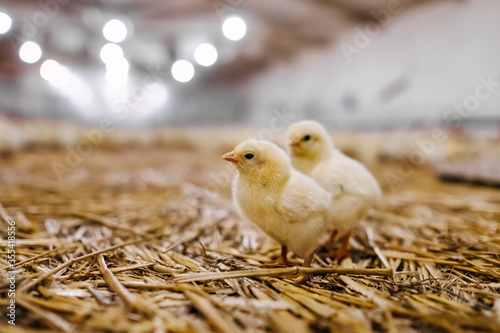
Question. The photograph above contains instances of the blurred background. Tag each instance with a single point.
(350, 64)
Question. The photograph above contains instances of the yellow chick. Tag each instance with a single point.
(353, 187)
(287, 205)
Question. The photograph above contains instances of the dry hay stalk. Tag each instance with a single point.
(280, 271)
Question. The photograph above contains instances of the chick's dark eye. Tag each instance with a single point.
(307, 138)
(249, 156)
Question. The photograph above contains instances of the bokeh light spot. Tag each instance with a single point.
(205, 54)
(182, 70)
(234, 28)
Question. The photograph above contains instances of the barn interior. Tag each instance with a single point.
(115, 204)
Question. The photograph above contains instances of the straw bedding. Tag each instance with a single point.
(144, 238)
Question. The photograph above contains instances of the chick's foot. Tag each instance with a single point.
(282, 261)
(301, 279)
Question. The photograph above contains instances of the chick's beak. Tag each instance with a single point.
(230, 157)
(294, 143)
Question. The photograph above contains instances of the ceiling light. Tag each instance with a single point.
(115, 31)
(5, 23)
(110, 53)
(182, 70)
(49, 69)
(234, 28)
(205, 54)
(30, 52)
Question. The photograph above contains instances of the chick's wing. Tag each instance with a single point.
(345, 175)
(302, 200)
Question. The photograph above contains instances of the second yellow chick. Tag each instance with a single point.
(353, 187)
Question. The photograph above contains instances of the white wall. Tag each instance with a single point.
(437, 50)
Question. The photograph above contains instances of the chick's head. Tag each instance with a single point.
(260, 160)
(308, 138)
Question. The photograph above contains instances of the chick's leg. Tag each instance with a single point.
(332, 237)
(326, 248)
(328, 243)
(307, 263)
(282, 261)
(344, 248)
(283, 258)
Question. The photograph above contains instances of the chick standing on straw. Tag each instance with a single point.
(287, 205)
(353, 187)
